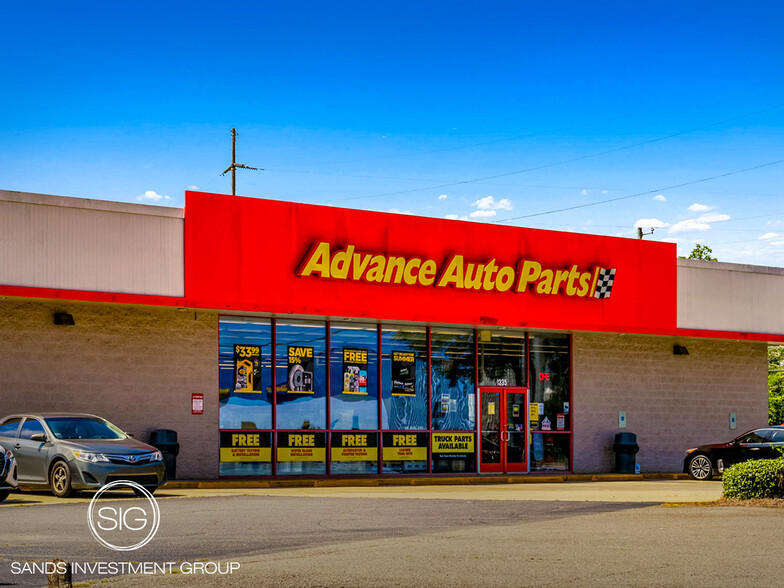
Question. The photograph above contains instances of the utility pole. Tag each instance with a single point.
(640, 232)
(234, 165)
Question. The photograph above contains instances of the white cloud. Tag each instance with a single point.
(604, 192)
(193, 187)
(660, 198)
(713, 217)
(689, 225)
(482, 214)
(650, 223)
(490, 203)
(583, 192)
(671, 240)
(772, 223)
(771, 235)
(452, 216)
(697, 207)
(396, 211)
(442, 197)
(152, 196)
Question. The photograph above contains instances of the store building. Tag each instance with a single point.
(284, 339)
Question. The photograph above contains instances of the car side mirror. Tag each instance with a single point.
(38, 437)
(129, 434)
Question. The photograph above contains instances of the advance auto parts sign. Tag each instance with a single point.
(529, 276)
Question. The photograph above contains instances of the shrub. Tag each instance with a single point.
(758, 478)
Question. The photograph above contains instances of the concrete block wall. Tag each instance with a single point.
(135, 366)
(672, 402)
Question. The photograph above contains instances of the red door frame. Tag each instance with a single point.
(503, 466)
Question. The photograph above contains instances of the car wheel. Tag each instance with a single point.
(60, 480)
(4, 494)
(700, 467)
(150, 489)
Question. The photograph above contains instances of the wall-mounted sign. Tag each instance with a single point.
(405, 446)
(355, 371)
(247, 447)
(560, 421)
(247, 369)
(326, 261)
(403, 373)
(420, 269)
(301, 363)
(453, 442)
(197, 403)
(302, 446)
(354, 447)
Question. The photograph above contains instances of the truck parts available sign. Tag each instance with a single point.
(453, 443)
(324, 261)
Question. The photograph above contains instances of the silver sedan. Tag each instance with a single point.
(68, 452)
(7, 472)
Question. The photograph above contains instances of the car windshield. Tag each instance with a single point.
(83, 428)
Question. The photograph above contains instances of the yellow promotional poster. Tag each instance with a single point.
(245, 447)
(247, 369)
(302, 447)
(301, 366)
(405, 447)
(533, 412)
(354, 447)
(453, 443)
(355, 371)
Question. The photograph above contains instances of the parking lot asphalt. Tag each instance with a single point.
(625, 533)
(648, 491)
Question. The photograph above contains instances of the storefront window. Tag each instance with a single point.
(454, 398)
(550, 382)
(302, 454)
(245, 374)
(550, 451)
(405, 453)
(404, 378)
(354, 377)
(354, 453)
(501, 358)
(300, 375)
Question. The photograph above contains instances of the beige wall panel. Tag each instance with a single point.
(135, 366)
(730, 297)
(672, 402)
(53, 242)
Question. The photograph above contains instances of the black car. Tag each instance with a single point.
(701, 462)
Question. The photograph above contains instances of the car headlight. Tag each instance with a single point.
(689, 451)
(90, 457)
(9, 455)
(157, 456)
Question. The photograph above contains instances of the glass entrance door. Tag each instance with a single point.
(503, 430)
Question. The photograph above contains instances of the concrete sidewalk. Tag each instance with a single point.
(637, 491)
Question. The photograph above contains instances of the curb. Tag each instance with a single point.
(410, 481)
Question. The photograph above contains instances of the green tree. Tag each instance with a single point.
(702, 252)
(776, 385)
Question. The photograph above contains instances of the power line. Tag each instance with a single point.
(565, 161)
(674, 186)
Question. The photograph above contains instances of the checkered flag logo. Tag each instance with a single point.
(604, 283)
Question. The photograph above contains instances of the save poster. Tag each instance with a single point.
(301, 364)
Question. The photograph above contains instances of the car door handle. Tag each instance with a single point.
(755, 448)
(17, 446)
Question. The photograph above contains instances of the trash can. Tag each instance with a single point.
(165, 440)
(625, 448)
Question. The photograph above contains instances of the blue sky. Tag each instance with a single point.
(485, 111)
